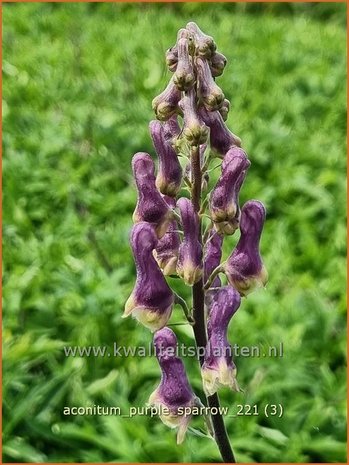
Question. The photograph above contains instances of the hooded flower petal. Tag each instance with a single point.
(244, 268)
(166, 104)
(224, 199)
(151, 300)
(189, 265)
(174, 392)
(218, 368)
(213, 255)
(221, 138)
(184, 76)
(211, 94)
(166, 251)
(194, 130)
(169, 177)
(150, 207)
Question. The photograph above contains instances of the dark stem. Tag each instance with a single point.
(199, 327)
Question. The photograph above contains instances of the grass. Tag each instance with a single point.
(78, 81)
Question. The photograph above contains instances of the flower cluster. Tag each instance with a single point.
(173, 236)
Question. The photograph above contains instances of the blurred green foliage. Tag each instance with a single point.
(78, 80)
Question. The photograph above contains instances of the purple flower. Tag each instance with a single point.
(194, 130)
(221, 138)
(217, 64)
(244, 268)
(213, 255)
(169, 177)
(150, 207)
(151, 300)
(211, 94)
(174, 394)
(166, 104)
(204, 44)
(218, 368)
(224, 199)
(189, 264)
(166, 251)
(184, 76)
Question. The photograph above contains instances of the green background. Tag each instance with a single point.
(78, 80)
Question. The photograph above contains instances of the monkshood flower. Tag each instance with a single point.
(244, 268)
(189, 264)
(211, 94)
(169, 176)
(204, 44)
(184, 77)
(194, 130)
(224, 199)
(218, 368)
(212, 256)
(221, 138)
(174, 394)
(166, 104)
(151, 300)
(151, 207)
(166, 251)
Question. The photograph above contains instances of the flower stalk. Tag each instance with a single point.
(177, 236)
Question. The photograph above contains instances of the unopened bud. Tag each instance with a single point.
(217, 64)
(166, 104)
(211, 94)
(184, 76)
(194, 130)
(204, 44)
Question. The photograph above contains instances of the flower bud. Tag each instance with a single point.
(194, 130)
(218, 368)
(172, 58)
(224, 111)
(212, 256)
(169, 176)
(166, 251)
(204, 44)
(174, 394)
(150, 207)
(184, 76)
(151, 300)
(189, 264)
(217, 64)
(166, 104)
(221, 138)
(224, 199)
(211, 94)
(244, 268)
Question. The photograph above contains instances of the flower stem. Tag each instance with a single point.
(199, 327)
